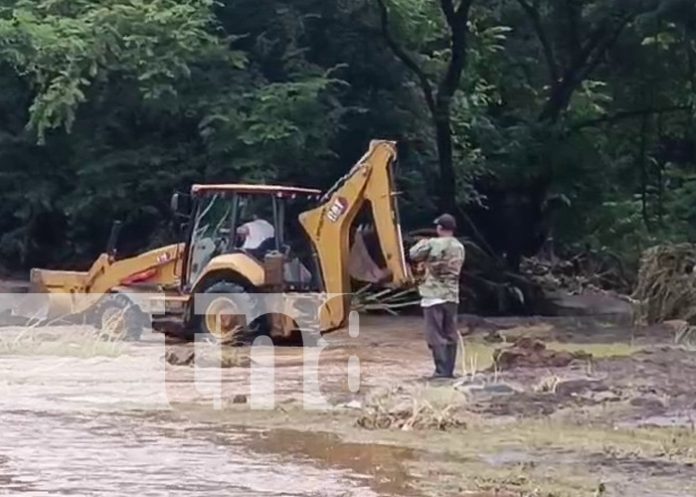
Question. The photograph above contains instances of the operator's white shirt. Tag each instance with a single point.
(259, 230)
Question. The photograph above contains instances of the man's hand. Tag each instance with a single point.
(420, 250)
(418, 271)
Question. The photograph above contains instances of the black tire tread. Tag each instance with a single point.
(243, 337)
(133, 315)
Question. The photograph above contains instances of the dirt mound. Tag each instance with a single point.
(528, 352)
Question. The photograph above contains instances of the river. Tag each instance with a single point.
(44, 453)
(63, 432)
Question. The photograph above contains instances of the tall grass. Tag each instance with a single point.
(83, 342)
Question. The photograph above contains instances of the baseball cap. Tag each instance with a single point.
(447, 222)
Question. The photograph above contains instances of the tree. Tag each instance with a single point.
(131, 99)
(106, 106)
(438, 90)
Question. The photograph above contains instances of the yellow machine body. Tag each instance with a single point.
(327, 226)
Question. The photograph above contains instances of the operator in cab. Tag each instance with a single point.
(443, 258)
(255, 232)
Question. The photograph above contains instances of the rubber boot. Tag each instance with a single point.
(450, 361)
(433, 351)
(440, 358)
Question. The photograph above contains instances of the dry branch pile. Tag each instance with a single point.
(402, 409)
(666, 288)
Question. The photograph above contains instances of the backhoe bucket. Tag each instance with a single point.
(361, 266)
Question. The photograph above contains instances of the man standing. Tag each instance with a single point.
(443, 258)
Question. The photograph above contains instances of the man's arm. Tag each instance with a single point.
(420, 250)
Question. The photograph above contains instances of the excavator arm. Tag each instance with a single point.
(329, 225)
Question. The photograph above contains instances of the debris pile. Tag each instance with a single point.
(666, 288)
(556, 275)
(399, 408)
(583, 272)
(529, 352)
(204, 357)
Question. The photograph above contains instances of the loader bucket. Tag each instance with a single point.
(59, 306)
(22, 308)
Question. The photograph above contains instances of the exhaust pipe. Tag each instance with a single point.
(113, 239)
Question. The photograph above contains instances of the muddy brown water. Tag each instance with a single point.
(383, 464)
(104, 427)
(43, 453)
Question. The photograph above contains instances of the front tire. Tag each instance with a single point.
(117, 318)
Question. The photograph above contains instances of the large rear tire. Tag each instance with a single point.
(224, 318)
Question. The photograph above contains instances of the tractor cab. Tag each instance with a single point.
(239, 226)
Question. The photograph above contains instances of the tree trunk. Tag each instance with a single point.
(558, 101)
(443, 134)
(439, 102)
(644, 172)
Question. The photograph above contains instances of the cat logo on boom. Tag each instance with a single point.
(338, 207)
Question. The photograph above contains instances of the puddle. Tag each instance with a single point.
(384, 465)
(108, 455)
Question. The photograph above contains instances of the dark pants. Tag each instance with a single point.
(441, 336)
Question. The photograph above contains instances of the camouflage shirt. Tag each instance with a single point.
(443, 259)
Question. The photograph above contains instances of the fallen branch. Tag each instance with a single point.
(367, 299)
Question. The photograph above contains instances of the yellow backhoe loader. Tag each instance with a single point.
(207, 283)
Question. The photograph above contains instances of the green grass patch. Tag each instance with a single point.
(478, 355)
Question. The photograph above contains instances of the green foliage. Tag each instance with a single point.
(108, 105)
(130, 99)
(420, 24)
(67, 46)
